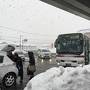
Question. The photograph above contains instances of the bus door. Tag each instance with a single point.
(89, 51)
(86, 51)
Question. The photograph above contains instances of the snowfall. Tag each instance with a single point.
(60, 78)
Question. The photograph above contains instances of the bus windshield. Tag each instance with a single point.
(69, 43)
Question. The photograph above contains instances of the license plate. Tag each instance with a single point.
(68, 65)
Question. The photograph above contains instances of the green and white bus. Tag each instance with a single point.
(72, 49)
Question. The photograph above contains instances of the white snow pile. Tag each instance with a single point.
(59, 78)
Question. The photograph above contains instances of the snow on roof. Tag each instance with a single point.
(59, 78)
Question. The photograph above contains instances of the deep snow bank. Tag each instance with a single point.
(59, 78)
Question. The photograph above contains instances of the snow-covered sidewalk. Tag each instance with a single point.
(59, 78)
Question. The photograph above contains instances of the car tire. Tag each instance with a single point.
(9, 80)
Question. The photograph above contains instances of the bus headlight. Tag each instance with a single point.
(80, 62)
(81, 65)
(58, 63)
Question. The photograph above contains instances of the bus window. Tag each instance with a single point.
(70, 44)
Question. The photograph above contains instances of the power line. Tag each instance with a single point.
(17, 30)
(10, 37)
(31, 39)
(9, 40)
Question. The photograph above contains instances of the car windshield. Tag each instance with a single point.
(44, 50)
(70, 44)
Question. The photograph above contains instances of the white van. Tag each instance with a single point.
(44, 53)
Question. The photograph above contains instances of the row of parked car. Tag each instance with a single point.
(41, 53)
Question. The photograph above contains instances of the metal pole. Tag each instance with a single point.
(20, 42)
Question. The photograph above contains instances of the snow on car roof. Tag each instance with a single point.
(3, 53)
(59, 78)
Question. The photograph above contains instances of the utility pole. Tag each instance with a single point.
(20, 42)
(23, 41)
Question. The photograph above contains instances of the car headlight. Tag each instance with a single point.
(81, 65)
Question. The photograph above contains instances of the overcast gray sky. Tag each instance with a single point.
(36, 21)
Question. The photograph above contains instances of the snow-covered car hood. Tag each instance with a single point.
(7, 48)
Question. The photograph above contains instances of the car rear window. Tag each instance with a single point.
(1, 59)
